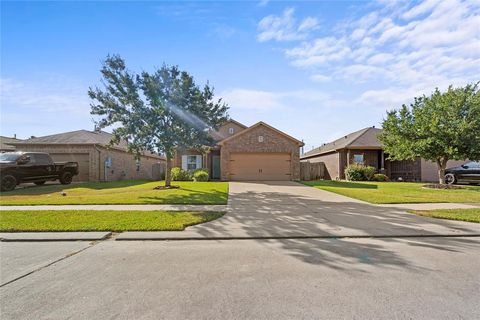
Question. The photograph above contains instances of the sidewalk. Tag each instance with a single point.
(122, 207)
(430, 206)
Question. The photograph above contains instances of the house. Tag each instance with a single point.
(97, 161)
(258, 152)
(363, 147)
(6, 143)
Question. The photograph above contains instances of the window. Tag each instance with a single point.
(358, 158)
(472, 164)
(42, 159)
(260, 138)
(231, 130)
(191, 162)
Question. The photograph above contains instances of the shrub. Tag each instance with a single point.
(358, 172)
(354, 172)
(178, 174)
(369, 172)
(200, 175)
(380, 177)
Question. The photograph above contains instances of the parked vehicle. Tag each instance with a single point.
(468, 172)
(36, 167)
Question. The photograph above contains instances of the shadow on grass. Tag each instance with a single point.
(340, 184)
(32, 189)
(191, 197)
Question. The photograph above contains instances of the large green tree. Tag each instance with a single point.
(443, 126)
(158, 111)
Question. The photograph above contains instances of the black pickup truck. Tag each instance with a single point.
(36, 167)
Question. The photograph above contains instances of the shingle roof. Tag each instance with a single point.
(367, 138)
(79, 137)
(6, 143)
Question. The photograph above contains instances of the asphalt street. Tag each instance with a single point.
(391, 278)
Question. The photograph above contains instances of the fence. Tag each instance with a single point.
(312, 171)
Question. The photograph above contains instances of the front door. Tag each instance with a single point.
(216, 167)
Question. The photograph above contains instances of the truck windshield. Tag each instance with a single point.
(9, 156)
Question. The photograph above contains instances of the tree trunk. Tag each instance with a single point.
(442, 165)
(168, 167)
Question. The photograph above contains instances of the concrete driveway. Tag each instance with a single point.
(289, 209)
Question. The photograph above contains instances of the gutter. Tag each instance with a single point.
(99, 160)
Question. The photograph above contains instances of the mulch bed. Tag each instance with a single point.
(442, 186)
(166, 188)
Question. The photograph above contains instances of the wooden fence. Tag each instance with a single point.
(312, 171)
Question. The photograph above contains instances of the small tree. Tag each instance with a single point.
(158, 111)
(444, 126)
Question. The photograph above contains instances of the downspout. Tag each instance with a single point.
(99, 161)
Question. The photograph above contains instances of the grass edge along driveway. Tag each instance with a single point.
(107, 220)
(118, 192)
(397, 192)
(469, 215)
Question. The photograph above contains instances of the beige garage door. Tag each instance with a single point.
(260, 166)
(83, 163)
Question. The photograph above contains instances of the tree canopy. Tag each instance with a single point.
(158, 111)
(440, 127)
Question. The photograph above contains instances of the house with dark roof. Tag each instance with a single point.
(6, 143)
(97, 160)
(258, 152)
(363, 147)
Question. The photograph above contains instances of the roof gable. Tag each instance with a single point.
(261, 123)
(367, 138)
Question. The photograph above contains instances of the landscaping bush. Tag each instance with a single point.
(380, 177)
(358, 172)
(200, 175)
(369, 172)
(178, 174)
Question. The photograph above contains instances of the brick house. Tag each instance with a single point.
(258, 152)
(364, 147)
(97, 161)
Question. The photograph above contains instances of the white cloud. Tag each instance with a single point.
(285, 27)
(398, 45)
(320, 78)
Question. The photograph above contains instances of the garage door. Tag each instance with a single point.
(83, 163)
(260, 166)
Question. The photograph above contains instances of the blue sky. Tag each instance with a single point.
(316, 70)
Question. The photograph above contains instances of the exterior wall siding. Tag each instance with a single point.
(430, 169)
(248, 142)
(331, 162)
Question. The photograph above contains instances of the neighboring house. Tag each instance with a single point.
(258, 152)
(6, 143)
(97, 161)
(363, 147)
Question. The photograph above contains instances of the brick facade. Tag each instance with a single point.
(273, 142)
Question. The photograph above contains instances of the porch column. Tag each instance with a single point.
(348, 157)
(382, 160)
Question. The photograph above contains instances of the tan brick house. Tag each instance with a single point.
(363, 147)
(97, 161)
(258, 152)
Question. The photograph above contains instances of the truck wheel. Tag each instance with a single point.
(66, 178)
(8, 183)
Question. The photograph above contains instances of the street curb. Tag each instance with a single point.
(46, 239)
(474, 235)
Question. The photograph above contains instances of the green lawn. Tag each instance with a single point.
(119, 192)
(470, 215)
(83, 220)
(396, 192)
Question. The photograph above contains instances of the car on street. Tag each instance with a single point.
(36, 167)
(466, 173)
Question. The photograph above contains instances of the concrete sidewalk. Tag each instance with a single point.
(121, 207)
(431, 206)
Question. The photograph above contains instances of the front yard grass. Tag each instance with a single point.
(118, 192)
(108, 220)
(397, 192)
(470, 215)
